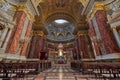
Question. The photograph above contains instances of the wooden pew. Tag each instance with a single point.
(100, 69)
(104, 70)
(20, 69)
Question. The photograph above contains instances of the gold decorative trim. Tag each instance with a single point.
(81, 33)
(38, 1)
(113, 28)
(97, 6)
(22, 7)
(38, 33)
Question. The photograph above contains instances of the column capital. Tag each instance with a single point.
(76, 37)
(38, 33)
(2, 1)
(113, 28)
(82, 32)
(97, 6)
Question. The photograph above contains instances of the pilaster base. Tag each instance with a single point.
(109, 56)
(11, 56)
(22, 58)
(2, 51)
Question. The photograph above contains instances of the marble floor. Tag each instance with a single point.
(61, 72)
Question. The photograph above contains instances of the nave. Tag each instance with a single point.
(59, 39)
(47, 70)
(62, 72)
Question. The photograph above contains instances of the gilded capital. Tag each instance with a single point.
(23, 7)
(38, 1)
(81, 33)
(38, 33)
(2, 1)
(113, 28)
(76, 37)
(97, 6)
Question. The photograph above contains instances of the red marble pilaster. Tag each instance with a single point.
(106, 34)
(83, 46)
(74, 54)
(28, 33)
(94, 39)
(24, 48)
(13, 44)
(32, 47)
(29, 29)
(78, 49)
(37, 47)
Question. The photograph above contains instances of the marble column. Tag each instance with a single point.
(78, 48)
(77, 51)
(83, 47)
(116, 35)
(26, 23)
(14, 42)
(3, 36)
(74, 54)
(38, 47)
(32, 47)
(93, 36)
(98, 38)
(105, 32)
(27, 35)
(7, 39)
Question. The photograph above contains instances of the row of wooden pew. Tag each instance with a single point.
(102, 70)
(20, 69)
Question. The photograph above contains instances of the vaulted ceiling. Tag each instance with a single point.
(51, 10)
(60, 30)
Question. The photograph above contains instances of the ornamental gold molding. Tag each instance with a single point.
(83, 2)
(23, 7)
(2, 1)
(97, 6)
(76, 37)
(81, 33)
(37, 2)
(114, 28)
(38, 33)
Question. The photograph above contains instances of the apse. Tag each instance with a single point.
(58, 30)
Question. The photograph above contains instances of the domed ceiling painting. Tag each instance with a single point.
(60, 30)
